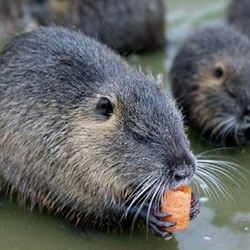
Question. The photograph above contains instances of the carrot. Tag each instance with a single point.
(177, 203)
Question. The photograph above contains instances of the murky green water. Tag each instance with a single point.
(224, 223)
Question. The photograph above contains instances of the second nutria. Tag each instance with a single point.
(85, 135)
(210, 79)
(238, 15)
(126, 26)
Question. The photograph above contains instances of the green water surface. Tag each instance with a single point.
(224, 222)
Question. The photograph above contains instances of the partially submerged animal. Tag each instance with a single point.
(85, 135)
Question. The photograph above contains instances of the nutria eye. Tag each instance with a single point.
(139, 138)
(104, 107)
(218, 72)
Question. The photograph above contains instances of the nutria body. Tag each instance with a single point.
(210, 79)
(126, 26)
(81, 131)
(238, 15)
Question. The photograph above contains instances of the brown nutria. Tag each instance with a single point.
(126, 26)
(238, 15)
(210, 79)
(83, 132)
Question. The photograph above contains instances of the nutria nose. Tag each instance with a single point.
(246, 119)
(179, 177)
(183, 173)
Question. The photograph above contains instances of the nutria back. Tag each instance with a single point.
(126, 26)
(81, 131)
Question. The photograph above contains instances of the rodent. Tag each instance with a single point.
(210, 79)
(126, 26)
(81, 131)
(238, 16)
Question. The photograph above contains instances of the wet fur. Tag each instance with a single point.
(57, 153)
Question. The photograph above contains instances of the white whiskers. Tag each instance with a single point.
(214, 174)
(224, 128)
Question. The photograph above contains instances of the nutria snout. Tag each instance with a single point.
(83, 132)
(210, 78)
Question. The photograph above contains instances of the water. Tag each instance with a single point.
(224, 223)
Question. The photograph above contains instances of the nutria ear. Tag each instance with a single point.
(104, 106)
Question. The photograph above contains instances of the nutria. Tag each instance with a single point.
(126, 26)
(83, 132)
(210, 79)
(238, 15)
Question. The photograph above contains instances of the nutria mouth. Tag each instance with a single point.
(152, 192)
(150, 211)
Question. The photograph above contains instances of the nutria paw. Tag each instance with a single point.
(195, 206)
(153, 219)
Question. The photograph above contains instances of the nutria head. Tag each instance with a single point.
(82, 130)
(210, 78)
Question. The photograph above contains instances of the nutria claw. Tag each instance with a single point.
(155, 223)
(153, 219)
(158, 231)
(195, 206)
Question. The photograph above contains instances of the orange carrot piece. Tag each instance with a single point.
(177, 203)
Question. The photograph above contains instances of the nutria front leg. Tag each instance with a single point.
(155, 222)
(153, 219)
